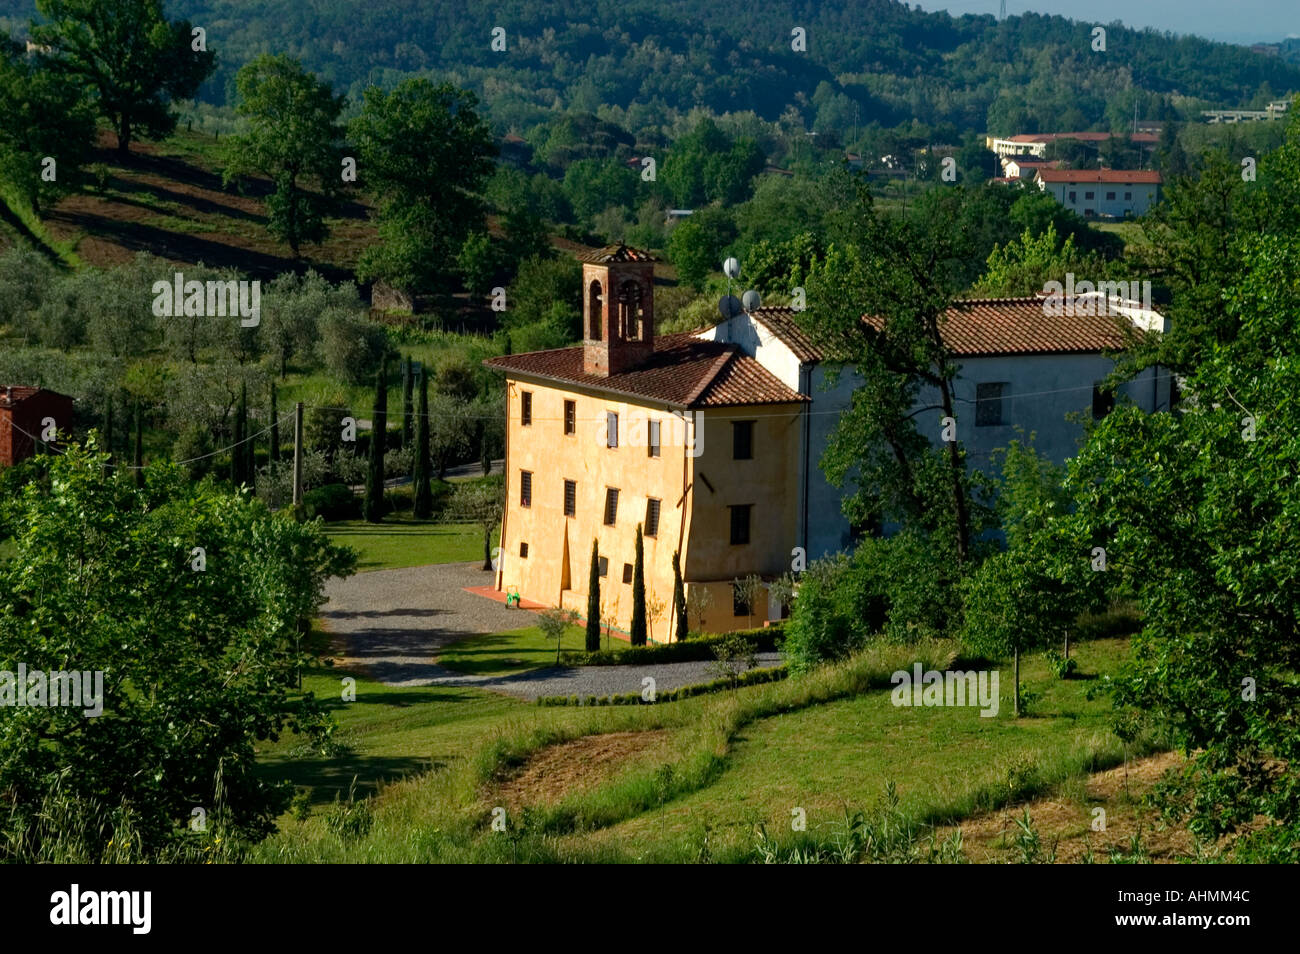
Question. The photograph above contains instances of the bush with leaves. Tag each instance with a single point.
(198, 666)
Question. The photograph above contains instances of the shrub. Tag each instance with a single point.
(332, 502)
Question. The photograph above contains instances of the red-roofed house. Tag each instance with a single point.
(25, 412)
(693, 440)
(712, 440)
(1117, 193)
(1022, 368)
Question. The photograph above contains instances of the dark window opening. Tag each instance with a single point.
(570, 498)
(652, 518)
(1103, 402)
(526, 408)
(602, 566)
(988, 404)
(740, 524)
(627, 572)
(523, 551)
(742, 440)
(739, 604)
(525, 488)
(611, 506)
(570, 417)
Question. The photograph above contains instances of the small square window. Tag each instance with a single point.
(988, 404)
(611, 506)
(1128, 195)
(570, 498)
(1074, 197)
(570, 417)
(523, 551)
(652, 517)
(742, 440)
(627, 572)
(1110, 196)
(1088, 195)
(611, 429)
(525, 488)
(526, 408)
(652, 438)
(740, 524)
(602, 566)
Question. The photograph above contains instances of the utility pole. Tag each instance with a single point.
(297, 453)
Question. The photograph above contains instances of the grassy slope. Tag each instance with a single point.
(515, 651)
(821, 743)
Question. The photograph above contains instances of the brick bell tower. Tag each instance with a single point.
(617, 309)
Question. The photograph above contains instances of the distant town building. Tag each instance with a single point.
(22, 413)
(1101, 193)
(1025, 167)
(1274, 110)
(1035, 144)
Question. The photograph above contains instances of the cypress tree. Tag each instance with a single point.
(422, 508)
(138, 457)
(593, 600)
(373, 505)
(275, 427)
(679, 597)
(406, 401)
(638, 630)
(108, 428)
(250, 444)
(237, 455)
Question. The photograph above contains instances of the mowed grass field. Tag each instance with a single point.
(656, 782)
(401, 542)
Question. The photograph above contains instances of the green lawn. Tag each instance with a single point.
(515, 651)
(401, 542)
(825, 742)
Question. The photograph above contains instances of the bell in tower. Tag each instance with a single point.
(617, 309)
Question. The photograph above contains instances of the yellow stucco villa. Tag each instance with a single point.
(692, 439)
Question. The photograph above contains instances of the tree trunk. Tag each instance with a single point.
(1016, 705)
(487, 548)
(123, 137)
(955, 468)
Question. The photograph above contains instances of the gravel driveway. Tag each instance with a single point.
(393, 622)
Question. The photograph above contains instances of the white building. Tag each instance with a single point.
(1093, 193)
(1021, 370)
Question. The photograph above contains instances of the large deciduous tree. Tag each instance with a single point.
(425, 156)
(133, 60)
(293, 139)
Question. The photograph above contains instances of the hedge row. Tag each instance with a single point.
(751, 677)
(764, 639)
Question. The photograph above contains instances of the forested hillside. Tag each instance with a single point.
(648, 63)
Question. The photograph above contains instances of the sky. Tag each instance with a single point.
(1235, 21)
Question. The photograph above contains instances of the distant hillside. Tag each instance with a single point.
(867, 60)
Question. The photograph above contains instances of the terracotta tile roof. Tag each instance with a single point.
(1134, 176)
(780, 321)
(616, 253)
(684, 371)
(982, 327)
(9, 396)
(1081, 136)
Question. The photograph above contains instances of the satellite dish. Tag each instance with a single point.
(731, 268)
(751, 300)
(729, 306)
